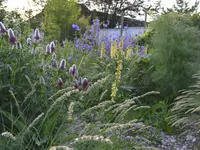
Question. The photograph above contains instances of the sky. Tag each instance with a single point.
(20, 5)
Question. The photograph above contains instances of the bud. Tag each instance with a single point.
(42, 81)
(54, 63)
(73, 71)
(80, 81)
(48, 50)
(52, 46)
(76, 84)
(60, 83)
(54, 56)
(28, 41)
(2, 28)
(18, 45)
(85, 84)
(12, 38)
(62, 64)
(62, 44)
(36, 35)
(9, 69)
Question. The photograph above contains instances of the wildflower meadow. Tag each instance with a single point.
(101, 92)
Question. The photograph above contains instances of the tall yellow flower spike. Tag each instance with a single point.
(129, 53)
(113, 50)
(102, 50)
(117, 76)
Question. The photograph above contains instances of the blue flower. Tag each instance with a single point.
(76, 27)
(105, 25)
(70, 58)
(126, 27)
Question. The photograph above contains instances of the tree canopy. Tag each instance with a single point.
(182, 6)
(58, 17)
(117, 6)
(2, 10)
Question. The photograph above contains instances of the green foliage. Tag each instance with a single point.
(196, 20)
(15, 21)
(146, 39)
(182, 6)
(58, 18)
(2, 10)
(186, 109)
(175, 54)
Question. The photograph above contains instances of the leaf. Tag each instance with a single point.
(129, 88)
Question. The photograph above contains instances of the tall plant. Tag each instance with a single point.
(176, 52)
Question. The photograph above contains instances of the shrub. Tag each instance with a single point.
(176, 52)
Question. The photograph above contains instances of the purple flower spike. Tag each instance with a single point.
(73, 71)
(37, 35)
(85, 84)
(76, 85)
(2, 28)
(76, 27)
(60, 83)
(62, 64)
(28, 41)
(52, 46)
(48, 49)
(54, 63)
(12, 38)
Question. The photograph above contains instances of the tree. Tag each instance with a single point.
(2, 10)
(182, 6)
(14, 20)
(59, 16)
(127, 7)
(150, 7)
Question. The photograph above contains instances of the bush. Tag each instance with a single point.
(176, 52)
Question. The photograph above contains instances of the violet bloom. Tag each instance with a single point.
(2, 28)
(62, 64)
(54, 63)
(37, 35)
(12, 38)
(105, 25)
(76, 85)
(73, 71)
(76, 27)
(48, 49)
(28, 41)
(52, 46)
(60, 83)
(70, 58)
(85, 84)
